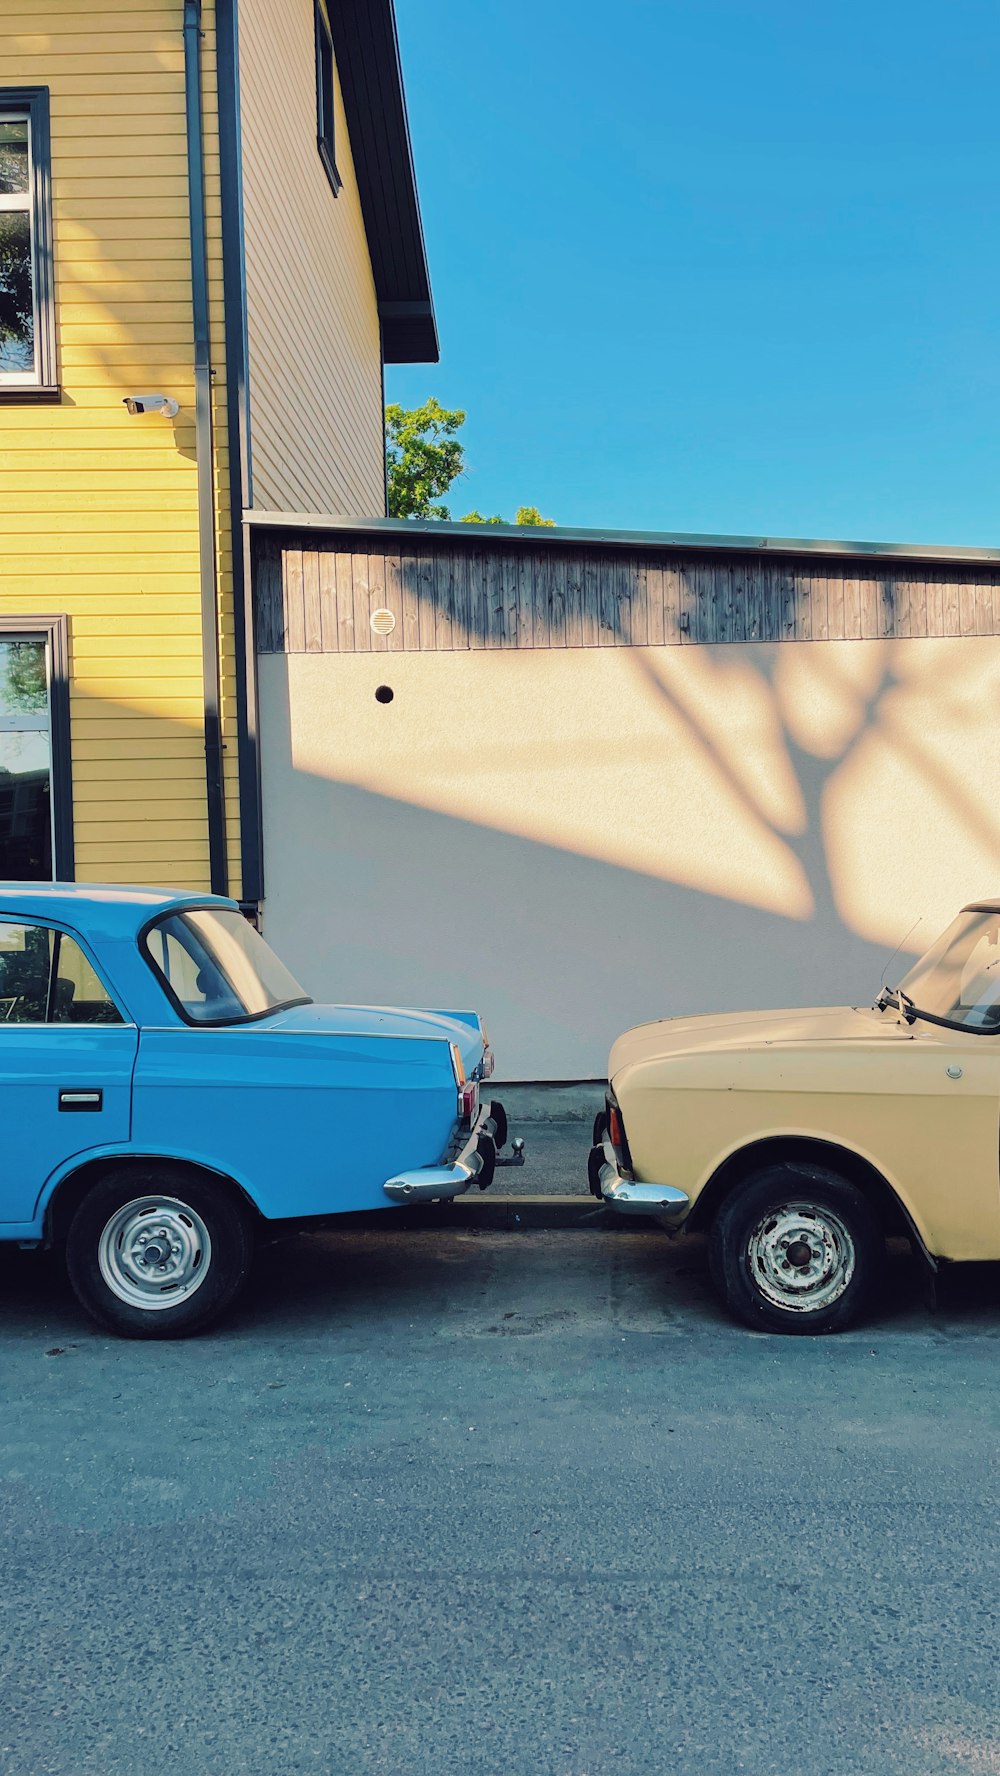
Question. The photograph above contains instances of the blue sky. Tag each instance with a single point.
(715, 266)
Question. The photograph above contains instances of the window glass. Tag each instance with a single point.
(324, 97)
(13, 156)
(46, 978)
(17, 278)
(959, 978)
(79, 996)
(25, 761)
(219, 968)
(25, 965)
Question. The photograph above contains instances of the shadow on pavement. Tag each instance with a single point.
(447, 1282)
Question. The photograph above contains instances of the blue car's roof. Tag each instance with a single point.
(101, 909)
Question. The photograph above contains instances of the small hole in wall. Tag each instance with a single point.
(384, 694)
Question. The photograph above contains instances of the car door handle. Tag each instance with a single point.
(80, 1098)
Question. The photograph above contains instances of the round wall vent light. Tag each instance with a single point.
(383, 621)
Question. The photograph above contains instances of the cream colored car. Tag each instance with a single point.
(798, 1140)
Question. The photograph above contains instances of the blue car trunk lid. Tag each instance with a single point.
(385, 1020)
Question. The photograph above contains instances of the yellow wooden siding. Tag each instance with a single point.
(315, 364)
(98, 510)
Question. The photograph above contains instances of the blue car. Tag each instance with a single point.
(171, 1089)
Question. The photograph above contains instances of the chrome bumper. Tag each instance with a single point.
(629, 1198)
(475, 1163)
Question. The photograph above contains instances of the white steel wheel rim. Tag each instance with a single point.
(801, 1257)
(154, 1252)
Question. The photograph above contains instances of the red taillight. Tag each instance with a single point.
(469, 1098)
(615, 1129)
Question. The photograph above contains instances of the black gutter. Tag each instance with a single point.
(234, 299)
(211, 671)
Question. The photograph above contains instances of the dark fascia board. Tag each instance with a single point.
(371, 79)
(674, 542)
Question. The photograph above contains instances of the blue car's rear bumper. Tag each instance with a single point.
(474, 1163)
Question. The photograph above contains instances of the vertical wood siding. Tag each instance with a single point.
(317, 596)
(99, 511)
(315, 357)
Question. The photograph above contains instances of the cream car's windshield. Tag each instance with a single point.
(958, 981)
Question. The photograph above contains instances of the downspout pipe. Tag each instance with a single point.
(234, 299)
(204, 450)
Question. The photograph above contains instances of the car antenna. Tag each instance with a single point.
(896, 951)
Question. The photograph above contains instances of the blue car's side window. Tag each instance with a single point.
(45, 978)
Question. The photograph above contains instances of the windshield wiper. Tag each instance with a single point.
(910, 1013)
(902, 1001)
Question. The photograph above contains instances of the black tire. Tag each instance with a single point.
(839, 1231)
(214, 1234)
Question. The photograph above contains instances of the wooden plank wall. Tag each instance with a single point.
(99, 511)
(316, 596)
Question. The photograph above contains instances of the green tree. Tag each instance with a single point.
(524, 515)
(423, 457)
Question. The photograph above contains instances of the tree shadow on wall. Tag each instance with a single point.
(581, 931)
(403, 903)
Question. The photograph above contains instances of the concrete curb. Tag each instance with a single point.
(575, 1101)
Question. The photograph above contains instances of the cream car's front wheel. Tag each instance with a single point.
(795, 1248)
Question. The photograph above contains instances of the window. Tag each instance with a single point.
(45, 978)
(218, 969)
(324, 97)
(959, 978)
(36, 836)
(27, 314)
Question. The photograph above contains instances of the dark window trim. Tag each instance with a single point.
(324, 123)
(35, 100)
(55, 632)
(249, 1017)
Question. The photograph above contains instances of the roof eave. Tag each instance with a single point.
(371, 78)
(677, 542)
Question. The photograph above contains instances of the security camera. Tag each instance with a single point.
(151, 404)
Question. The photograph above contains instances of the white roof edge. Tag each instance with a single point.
(681, 541)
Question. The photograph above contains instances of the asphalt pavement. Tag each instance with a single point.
(555, 1161)
(499, 1503)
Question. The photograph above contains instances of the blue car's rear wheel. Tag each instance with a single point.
(153, 1252)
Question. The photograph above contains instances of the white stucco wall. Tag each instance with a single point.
(577, 840)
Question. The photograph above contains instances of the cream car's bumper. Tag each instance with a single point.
(620, 1191)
